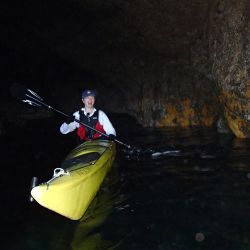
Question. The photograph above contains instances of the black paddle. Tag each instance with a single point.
(30, 97)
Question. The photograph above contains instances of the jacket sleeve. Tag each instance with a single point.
(66, 128)
(105, 122)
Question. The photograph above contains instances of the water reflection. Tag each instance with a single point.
(198, 200)
(89, 232)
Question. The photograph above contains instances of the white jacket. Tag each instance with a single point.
(102, 117)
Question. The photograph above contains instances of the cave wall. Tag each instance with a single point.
(142, 52)
(166, 63)
(228, 37)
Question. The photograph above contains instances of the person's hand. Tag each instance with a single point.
(111, 137)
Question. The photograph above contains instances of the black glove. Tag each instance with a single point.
(111, 137)
(69, 119)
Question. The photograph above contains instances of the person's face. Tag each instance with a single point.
(89, 101)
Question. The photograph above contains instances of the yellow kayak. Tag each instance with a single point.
(75, 184)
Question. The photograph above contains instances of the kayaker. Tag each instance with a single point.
(92, 117)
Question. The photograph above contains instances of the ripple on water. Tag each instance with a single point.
(196, 200)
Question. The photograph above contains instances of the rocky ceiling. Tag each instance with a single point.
(165, 62)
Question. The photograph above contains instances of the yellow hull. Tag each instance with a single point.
(85, 168)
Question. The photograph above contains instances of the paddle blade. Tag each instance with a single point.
(28, 96)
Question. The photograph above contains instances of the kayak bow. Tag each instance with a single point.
(76, 183)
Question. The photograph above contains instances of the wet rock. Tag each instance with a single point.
(165, 63)
(222, 126)
(229, 34)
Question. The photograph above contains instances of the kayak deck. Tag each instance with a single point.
(84, 169)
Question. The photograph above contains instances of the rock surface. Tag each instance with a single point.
(166, 63)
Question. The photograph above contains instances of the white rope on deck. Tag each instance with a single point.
(57, 173)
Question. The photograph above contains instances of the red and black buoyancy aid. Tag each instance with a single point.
(85, 133)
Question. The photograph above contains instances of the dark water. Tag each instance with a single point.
(198, 200)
